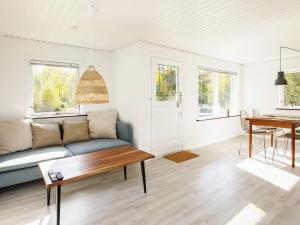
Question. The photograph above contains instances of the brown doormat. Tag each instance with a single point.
(181, 156)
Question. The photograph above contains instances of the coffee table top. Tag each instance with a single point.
(83, 166)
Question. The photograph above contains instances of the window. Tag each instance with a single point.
(290, 94)
(216, 93)
(166, 82)
(53, 87)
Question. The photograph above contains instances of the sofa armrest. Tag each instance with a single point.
(124, 131)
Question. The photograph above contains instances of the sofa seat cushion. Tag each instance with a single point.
(31, 157)
(94, 145)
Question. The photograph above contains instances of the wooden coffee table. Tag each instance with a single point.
(87, 165)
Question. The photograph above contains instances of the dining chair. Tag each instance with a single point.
(257, 131)
(287, 137)
(257, 112)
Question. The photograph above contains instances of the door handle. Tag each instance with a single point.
(179, 102)
(180, 98)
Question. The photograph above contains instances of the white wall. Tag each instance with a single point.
(259, 90)
(127, 73)
(14, 55)
(133, 93)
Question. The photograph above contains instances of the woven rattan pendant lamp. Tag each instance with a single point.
(91, 88)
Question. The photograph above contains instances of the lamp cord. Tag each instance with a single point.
(91, 16)
(91, 43)
(280, 58)
(292, 49)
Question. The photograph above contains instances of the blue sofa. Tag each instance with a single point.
(20, 167)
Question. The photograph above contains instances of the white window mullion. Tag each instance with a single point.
(216, 95)
(281, 102)
(233, 96)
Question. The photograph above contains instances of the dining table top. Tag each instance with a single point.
(276, 117)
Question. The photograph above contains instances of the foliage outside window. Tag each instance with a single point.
(54, 88)
(215, 93)
(166, 82)
(291, 92)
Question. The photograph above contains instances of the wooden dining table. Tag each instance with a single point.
(277, 121)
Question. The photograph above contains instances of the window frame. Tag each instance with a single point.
(281, 95)
(233, 98)
(29, 84)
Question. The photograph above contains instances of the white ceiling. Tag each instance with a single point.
(236, 30)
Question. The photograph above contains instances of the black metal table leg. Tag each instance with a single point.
(58, 197)
(125, 172)
(48, 195)
(144, 176)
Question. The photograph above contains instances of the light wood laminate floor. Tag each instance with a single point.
(218, 188)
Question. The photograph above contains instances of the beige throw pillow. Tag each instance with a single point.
(75, 131)
(15, 136)
(102, 124)
(45, 135)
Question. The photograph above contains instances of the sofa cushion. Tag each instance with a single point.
(94, 145)
(44, 135)
(13, 177)
(102, 124)
(75, 131)
(31, 157)
(15, 136)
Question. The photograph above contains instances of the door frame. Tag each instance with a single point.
(167, 61)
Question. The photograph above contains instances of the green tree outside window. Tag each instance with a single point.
(292, 90)
(54, 88)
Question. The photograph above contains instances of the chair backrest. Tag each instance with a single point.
(244, 123)
(256, 112)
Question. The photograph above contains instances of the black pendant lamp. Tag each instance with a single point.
(280, 79)
(280, 76)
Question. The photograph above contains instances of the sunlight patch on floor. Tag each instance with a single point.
(43, 221)
(286, 159)
(269, 173)
(280, 159)
(249, 215)
(261, 157)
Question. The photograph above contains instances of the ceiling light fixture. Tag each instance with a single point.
(280, 76)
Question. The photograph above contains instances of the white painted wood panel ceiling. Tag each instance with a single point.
(236, 30)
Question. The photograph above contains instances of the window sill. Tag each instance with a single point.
(288, 108)
(53, 116)
(216, 118)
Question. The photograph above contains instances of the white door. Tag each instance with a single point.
(166, 107)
